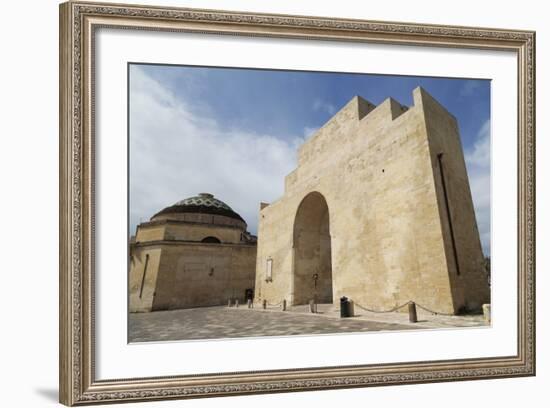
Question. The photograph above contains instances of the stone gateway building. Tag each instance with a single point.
(379, 209)
(194, 253)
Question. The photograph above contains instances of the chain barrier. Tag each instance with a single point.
(400, 306)
(435, 313)
(381, 311)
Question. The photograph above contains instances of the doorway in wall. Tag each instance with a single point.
(312, 251)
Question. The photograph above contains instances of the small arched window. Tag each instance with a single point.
(211, 240)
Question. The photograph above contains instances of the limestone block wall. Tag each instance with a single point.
(197, 275)
(186, 275)
(183, 231)
(153, 232)
(465, 260)
(373, 166)
(197, 232)
(144, 267)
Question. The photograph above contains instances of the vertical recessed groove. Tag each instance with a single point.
(445, 196)
(144, 274)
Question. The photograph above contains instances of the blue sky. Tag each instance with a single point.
(244, 125)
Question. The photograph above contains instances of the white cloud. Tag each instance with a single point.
(478, 163)
(319, 105)
(176, 153)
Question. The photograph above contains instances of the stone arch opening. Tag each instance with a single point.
(211, 240)
(312, 274)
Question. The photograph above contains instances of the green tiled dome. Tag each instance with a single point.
(204, 203)
(204, 199)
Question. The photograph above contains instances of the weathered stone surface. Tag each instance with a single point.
(367, 211)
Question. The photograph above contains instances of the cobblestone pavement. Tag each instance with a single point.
(224, 322)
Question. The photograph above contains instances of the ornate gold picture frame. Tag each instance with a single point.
(79, 22)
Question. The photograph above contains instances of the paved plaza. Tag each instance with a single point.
(225, 322)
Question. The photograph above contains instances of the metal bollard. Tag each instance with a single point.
(312, 306)
(264, 304)
(284, 305)
(249, 303)
(345, 307)
(236, 302)
(412, 312)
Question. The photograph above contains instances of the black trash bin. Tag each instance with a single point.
(345, 307)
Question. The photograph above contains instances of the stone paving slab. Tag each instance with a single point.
(223, 322)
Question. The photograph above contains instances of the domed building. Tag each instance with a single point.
(194, 253)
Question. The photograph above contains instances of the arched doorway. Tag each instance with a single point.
(211, 240)
(312, 251)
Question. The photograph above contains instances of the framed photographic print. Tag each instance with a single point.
(256, 203)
